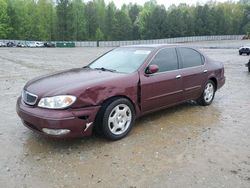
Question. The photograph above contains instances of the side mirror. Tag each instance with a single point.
(151, 69)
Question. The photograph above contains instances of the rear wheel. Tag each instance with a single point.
(240, 53)
(208, 94)
(247, 53)
(116, 118)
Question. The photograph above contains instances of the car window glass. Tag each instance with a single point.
(190, 57)
(166, 59)
(125, 60)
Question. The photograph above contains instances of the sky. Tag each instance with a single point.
(167, 3)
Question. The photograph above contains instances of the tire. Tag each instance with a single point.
(240, 53)
(248, 68)
(116, 118)
(208, 94)
(247, 53)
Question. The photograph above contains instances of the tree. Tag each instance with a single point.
(77, 25)
(122, 26)
(133, 11)
(152, 22)
(91, 20)
(4, 20)
(63, 19)
(100, 8)
(109, 21)
(44, 25)
(99, 34)
(143, 17)
(175, 23)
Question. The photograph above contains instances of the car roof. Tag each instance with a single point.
(151, 45)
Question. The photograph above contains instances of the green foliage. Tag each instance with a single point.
(99, 34)
(4, 20)
(109, 21)
(94, 20)
(77, 25)
(122, 26)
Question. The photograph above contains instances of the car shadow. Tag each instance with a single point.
(35, 143)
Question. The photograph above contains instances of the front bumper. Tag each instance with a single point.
(79, 122)
(244, 51)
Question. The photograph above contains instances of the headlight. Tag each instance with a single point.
(57, 102)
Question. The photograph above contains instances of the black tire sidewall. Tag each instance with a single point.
(109, 107)
(201, 100)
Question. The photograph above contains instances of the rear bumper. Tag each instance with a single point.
(79, 122)
(221, 82)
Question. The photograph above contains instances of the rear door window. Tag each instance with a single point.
(190, 57)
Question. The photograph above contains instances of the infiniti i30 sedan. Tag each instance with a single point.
(118, 87)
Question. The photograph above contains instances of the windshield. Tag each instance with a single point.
(125, 60)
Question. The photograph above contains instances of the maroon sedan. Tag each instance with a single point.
(111, 92)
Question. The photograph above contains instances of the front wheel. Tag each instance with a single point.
(117, 118)
(207, 96)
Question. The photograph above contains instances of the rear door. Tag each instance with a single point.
(163, 88)
(193, 72)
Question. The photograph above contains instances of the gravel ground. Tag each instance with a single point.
(183, 146)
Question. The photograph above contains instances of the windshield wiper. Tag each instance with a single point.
(105, 69)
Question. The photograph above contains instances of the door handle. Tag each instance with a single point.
(205, 71)
(178, 76)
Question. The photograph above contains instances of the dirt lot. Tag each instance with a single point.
(183, 146)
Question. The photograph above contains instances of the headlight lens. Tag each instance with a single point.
(57, 102)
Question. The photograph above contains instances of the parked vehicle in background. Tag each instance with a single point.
(244, 50)
(39, 44)
(49, 44)
(31, 44)
(111, 92)
(3, 44)
(21, 45)
(11, 44)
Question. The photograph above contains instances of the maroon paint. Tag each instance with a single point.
(92, 87)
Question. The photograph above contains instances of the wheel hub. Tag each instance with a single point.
(209, 92)
(119, 119)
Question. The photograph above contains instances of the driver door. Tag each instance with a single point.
(163, 88)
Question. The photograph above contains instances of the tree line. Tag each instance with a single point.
(77, 20)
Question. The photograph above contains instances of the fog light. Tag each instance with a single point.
(55, 132)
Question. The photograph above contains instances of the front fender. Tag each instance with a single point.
(95, 95)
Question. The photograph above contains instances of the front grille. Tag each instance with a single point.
(29, 98)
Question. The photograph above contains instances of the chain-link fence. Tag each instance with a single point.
(135, 42)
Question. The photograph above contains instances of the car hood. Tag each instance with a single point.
(71, 82)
